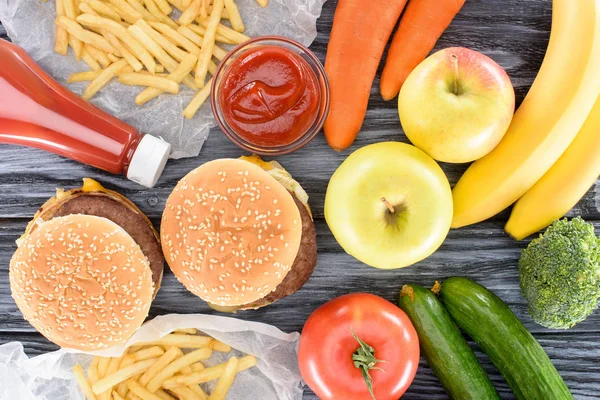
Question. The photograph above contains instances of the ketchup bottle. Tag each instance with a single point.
(37, 111)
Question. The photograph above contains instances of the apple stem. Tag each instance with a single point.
(388, 205)
(454, 59)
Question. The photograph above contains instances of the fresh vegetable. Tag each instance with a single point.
(361, 29)
(565, 183)
(446, 351)
(548, 120)
(419, 30)
(360, 347)
(560, 274)
(517, 355)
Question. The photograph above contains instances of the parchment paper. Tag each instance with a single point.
(276, 377)
(30, 24)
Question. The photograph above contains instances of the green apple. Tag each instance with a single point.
(389, 205)
(456, 105)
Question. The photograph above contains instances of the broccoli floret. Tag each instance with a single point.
(560, 274)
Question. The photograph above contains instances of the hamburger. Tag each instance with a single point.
(239, 233)
(87, 268)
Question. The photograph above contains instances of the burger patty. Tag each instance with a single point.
(303, 265)
(136, 225)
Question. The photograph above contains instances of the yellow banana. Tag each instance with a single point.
(563, 185)
(552, 113)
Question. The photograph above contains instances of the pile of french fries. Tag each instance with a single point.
(161, 371)
(140, 43)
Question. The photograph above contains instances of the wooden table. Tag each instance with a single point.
(513, 32)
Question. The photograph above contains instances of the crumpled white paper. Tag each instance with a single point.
(276, 377)
(30, 24)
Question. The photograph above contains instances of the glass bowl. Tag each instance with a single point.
(322, 92)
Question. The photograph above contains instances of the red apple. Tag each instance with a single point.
(456, 105)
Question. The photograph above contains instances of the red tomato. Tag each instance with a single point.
(327, 345)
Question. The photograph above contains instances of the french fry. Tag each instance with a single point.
(123, 374)
(182, 71)
(190, 13)
(263, 3)
(159, 68)
(154, 10)
(145, 353)
(195, 367)
(125, 16)
(219, 346)
(166, 45)
(103, 364)
(185, 3)
(113, 58)
(83, 383)
(204, 8)
(200, 30)
(169, 63)
(98, 54)
(122, 388)
(176, 37)
(182, 341)
(177, 4)
(225, 13)
(197, 101)
(225, 381)
(140, 9)
(102, 9)
(163, 395)
(171, 354)
(92, 371)
(85, 36)
(127, 9)
(140, 391)
(197, 39)
(130, 58)
(185, 393)
(234, 16)
(117, 396)
(97, 84)
(137, 79)
(186, 331)
(208, 44)
(122, 34)
(226, 32)
(85, 8)
(164, 6)
(61, 44)
(69, 12)
(176, 366)
(89, 60)
(83, 77)
(153, 48)
(207, 374)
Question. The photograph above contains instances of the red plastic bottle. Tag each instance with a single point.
(37, 111)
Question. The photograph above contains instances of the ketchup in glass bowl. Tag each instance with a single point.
(270, 95)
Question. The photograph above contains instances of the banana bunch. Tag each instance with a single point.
(549, 155)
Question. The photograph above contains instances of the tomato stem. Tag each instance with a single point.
(365, 360)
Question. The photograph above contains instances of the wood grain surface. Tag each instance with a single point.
(513, 32)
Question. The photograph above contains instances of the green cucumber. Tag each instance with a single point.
(446, 351)
(517, 355)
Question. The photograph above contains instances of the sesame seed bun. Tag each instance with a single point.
(230, 232)
(81, 281)
(94, 199)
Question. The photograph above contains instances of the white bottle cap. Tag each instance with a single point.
(148, 161)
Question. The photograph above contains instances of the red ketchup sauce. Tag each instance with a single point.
(269, 96)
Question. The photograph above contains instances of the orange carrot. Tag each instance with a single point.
(420, 28)
(361, 28)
